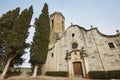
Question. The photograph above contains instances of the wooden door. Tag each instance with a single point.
(77, 66)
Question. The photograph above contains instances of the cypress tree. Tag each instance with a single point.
(15, 43)
(39, 48)
(6, 24)
(18, 60)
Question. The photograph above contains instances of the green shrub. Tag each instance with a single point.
(104, 74)
(57, 73)
(95, 74)
(114, 74)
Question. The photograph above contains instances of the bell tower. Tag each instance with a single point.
(57, 21)
(57, 26)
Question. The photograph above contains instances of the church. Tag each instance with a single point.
(77, 50)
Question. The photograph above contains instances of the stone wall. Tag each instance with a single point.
(100, 55)
(109, 56)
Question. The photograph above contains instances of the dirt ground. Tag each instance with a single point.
(24, 76)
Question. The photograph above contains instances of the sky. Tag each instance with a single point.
(103, 14)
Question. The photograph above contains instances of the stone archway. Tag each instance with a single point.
(76, 64)
(77, 68)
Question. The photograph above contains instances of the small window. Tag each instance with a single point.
(62, 25)
(52, 23)
(52, 55)
(73, 34)
(111, 45)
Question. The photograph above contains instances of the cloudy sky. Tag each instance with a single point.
(103, 14)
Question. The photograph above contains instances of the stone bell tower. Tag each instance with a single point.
(57, 26)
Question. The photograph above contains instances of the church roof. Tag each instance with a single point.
(92, 28)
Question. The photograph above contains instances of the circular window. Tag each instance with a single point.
(74, 45)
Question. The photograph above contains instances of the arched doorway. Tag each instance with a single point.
(77, 67)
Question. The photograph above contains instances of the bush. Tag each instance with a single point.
(104, 74)
(114, 74)
(57, 73)
(96, 74)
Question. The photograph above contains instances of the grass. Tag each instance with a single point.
(26, 70)
(22, 70)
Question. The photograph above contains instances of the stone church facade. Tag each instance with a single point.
(78, 51)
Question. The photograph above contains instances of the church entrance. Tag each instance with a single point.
(77, 67)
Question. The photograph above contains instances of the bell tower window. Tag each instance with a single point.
(62, 25)
(52, 23)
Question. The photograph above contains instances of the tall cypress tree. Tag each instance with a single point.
(39, 48)
(18, 60)
(6, 24)
(15, 43)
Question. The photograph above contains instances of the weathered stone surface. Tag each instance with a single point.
(100, 55)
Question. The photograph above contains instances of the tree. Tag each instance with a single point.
(39, 47)
(15, 42)
(6, 24)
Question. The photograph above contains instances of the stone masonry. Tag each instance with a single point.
(91, 49)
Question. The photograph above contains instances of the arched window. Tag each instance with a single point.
(52, 55)
(62, 25)
(73, 34)
(52, 23)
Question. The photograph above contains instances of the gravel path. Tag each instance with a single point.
(27, 77)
